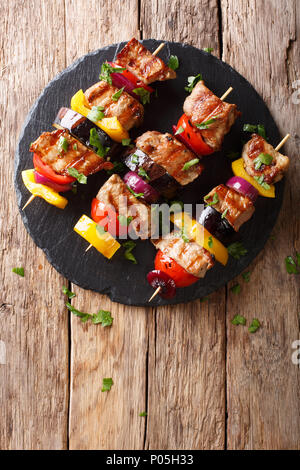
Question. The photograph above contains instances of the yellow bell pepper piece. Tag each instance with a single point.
(200, 235)
(104, 243)
(43, 191)
(110, 125)
(239, 170)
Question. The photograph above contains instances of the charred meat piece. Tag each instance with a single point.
(115, 193)
(171, 154)
(195, 259)
(157, 176)
(127, 109)
(81, 127)
(278, 163)
(202, 106)
(145, 66)
(235, 207)
(48, 148)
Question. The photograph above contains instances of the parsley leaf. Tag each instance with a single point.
(104, 317)
(255, 324)
(188, 165)
(249, 127)
(210, 242)
(184, 235)
(236, 289)
(246, 276)
(124, 221)
(129, 246)
(259, 128)
(179, 130)
(143, 94)
(291, 265)
(208, 49)
(238, 320)
(206, 124)
(224, 213)
(96, 142)
(79, 176)
(260, 180)
(262, 159)
(173, 62)
(117, 95)
(118, 168)
(107, 384)
(214, 200)
(192, 81)
(261, 131)
(143, 413)
(96, 113)
(237, 250)
(106, 70)
(126, 142)
(143, 173)
(67, 292)
(19, 271)
(63, 144)
(135, 159)
(75, 147)
(137, 195)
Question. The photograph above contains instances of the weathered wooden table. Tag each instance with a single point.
(205, 383)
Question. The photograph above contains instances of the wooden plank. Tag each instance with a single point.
(33, 321)
(106, 420)
(263, 383)
(186, 393)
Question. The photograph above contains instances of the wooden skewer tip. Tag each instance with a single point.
(159, 48)
(29, 201)
(282, 142)
(157, 291)
(88, 248)
(226, 93)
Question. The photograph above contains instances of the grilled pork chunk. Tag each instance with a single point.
(116, 194)
(202, 106)
(77, 155)
(145, 66)
(273, 172)
(127, 109)
(191, 256)
(237, 209)
(171, 154)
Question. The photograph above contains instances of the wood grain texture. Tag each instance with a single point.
(33, 320)
(263, 383)
(186, 391)
(106, 420)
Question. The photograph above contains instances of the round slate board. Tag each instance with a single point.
(52, 229)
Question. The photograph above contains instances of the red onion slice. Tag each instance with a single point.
(60, 188)
(138, 185)
(160, 279)
(243, 187)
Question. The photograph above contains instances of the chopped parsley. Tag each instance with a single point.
(79, 176)
(224, 213)
(210, 242)
(107, 383)
(19, 271)
(135, 159)
(173, 62)
(118, 168)
(184, 235)
(255, 324)
(143, 173)
(75, 147)
(214, 200)
(96, 113)
(68, 293)
(137, 195)
(100, 230)
(238, 320)
(236, 289)
(117, 95)
(298, 258)
(208, 49)
(290, 265)
(237, 250)
(143, 413)
(126, 142)
(262, 159)
(143, 94)
(259, 128)
(246, 276)
(96, 142)
(249, 127)
(102, 316)
(129, 246)
(206, 124)
(124, 221)
(63, 144)
(192, 81)
(106, 70)
(260, 180)
(179, 130)
(188, 165)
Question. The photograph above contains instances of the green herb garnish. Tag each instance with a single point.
(106, 70)
(143, 413)
(101, 317)
(96, 142)
(135, 159)
(246, 276)
(179, 130)
(117, 95)
(291, 265)
(184, 236)
(237, 250)
(192, 81)
(238, 320)
(188, 165)
(224, 213)
(236, 289)
(79, 176)
(255, 324)
(129, 246)
(259, 128)
(19, 271)
(298, 258)
(262, 159)
(261, 131)
(126, 142)
(210, 242)
(143, 94)
(214, 200)
(63, 144)
(124, 221)
(206, 124)
(68, 293)
(100, 230)
(249, 127)
(173, 62)
(107, 383)
(208, 49)
(96, 113)
(75, 147)
(143, 173)
(137, 195)
(118, 168)
(260, 180)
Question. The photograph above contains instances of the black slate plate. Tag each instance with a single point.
(52, 229)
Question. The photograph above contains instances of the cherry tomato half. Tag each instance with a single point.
(193, 136)
(169, 266)
(136, 81)
(108, 218)
(47, 171)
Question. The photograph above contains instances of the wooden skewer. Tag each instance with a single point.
(157, 291)
(88, 248)
(159, 48)
(226, 93)
(29, 201)
(282, 142)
